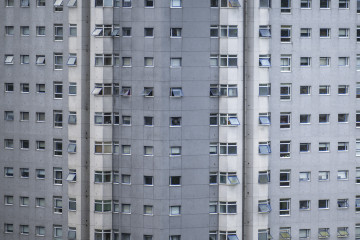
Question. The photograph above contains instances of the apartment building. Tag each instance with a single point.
(179, 119)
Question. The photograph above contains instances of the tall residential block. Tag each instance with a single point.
(179, 119)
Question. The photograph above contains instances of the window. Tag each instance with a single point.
(357, 203)
(304, 233)
(343, 146)
(324, 3)
(72, 28)
(72, 60)
(285, 63)
(103, 118)
(24, 201)
(8, 228)
(175, 122)
(58, 32)
(264, 60)
(228, 178)
(175, 180)
(305, 61)
(324, 61)
(175, 32)
(343, 203)
(342, 232)
(72, 146)
(264, 148)
(126, 61)
(325, 32)
(175, 210)
(9, 116)
(305, 118)
(324, 233)
(148, 92)
(9, 3)
(344, 32)
(149, 3)
(9, 87)
(264, 30)
(324, 118)
(106, 60)
(105, 30)
(357, 90)
(214, 60)
(265, 89)
(24, 144)
(265, 4)
(227, 207)
(8, 172)
(284, 178)
(40, 31)
(228, 149)
(9, 143)
(9, 30)
(304, 176)
(125, 208)
(125, 179)
(305, 4)
(8, 200)
(148, 61)
(126, 3)
(126, 32)
(228, 90)
(149, 32)
(229, 119)
(176, 92)
(175, 151)
(263, 234)
(228, 31)
(149, 180)
(343, 62)
(285, 33)
(358, 60)
(72, 88)
(357, 175)
(57, 231)
(284, 149)
(285, 6)
(40, 60)
(107, 147)
(40, 117)
(285, 91)
(24, 3)
(149, 121)
(148, 210)
(57, 147)
(228, 60)
(304, 204)
(9, 59)
(24, 30)
(285, 120)
(213, 177)
(24, 59)
(57, 174)
(102, 206)
(343, 118)
(175, 237)
(343, 175)
(40, 202)
(57, 203)
(58, 6)
(58, 61)
(324, 147)
(102, 177)
(324, 204)
(284, 207)
(324, 175)
(284, 233)
(175, 62)
(344, 4)
(264, 206)
(324, 89)
(176, 3)
(126, 120)
(343, 89)
(264, 118)
(264, 177)
(24, 172)
(72, 118)
(213, 148)
(58, 118)
(305, 147)
(106, 89)
(126, 149)
(24, 88)
(214, 32)
(40, 173)
(72, 233)
(58, 90)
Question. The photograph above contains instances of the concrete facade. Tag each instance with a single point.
(160, 119)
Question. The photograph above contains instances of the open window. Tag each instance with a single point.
(125, 91)
(148, 92)
(176, 92)
(264, 177)
(72, 60)
(264, 31)
(264, 206)
(264, 119)
(72, 3)
(324, 233)
(72, 175)
(264, 148)
(72, 147)
(264, 61)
